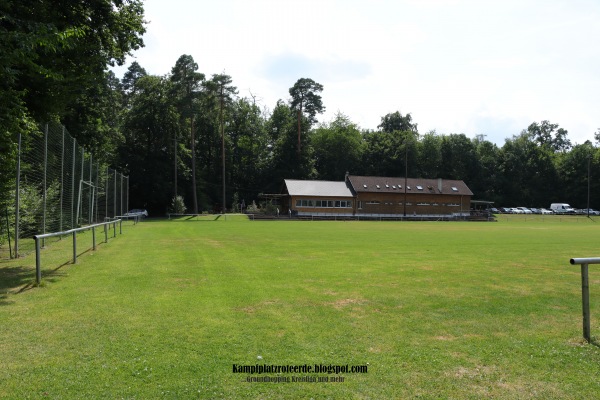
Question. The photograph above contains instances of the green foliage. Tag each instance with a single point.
(306, 99)
(51, 52)
(338, 148)
(31, 209)
(147, 153)
(396, 122)
(387, 153)
(178, 205)
(53, 65)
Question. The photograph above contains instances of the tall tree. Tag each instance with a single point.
(186, 86)
(459, 159)
(286, 161)
(338, 148)
(222, 89)
(134, 72)
(149, 127)
(306, 100)
(249, 154)
(430, 158)
(95, 117)
(51, 53)
(396, 122)
(390, 153)
(549, 135)
(528, 172)
(572, 170)
(484, 178)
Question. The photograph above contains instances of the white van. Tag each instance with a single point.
(562, 208)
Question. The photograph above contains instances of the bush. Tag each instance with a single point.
(178, 205)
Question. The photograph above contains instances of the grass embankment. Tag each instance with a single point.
(437, 310)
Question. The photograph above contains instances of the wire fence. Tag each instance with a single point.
(58, 186)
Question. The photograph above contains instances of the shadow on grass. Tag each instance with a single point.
(19, 279)
(13, 278)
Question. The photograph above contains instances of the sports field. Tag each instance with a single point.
(170, 309)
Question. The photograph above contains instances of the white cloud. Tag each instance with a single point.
(460, 66)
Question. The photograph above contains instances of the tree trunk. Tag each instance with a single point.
(193, 148)
(223, 150)
(299, 118)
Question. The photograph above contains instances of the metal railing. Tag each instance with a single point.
(585, 292)
(39, 239)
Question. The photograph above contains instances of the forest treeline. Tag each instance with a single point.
(191, 135)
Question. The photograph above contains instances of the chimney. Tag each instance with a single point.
(440, 184)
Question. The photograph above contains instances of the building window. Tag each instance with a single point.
(323, 203)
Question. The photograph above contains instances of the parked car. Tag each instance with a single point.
(535, 210)
(545, 211)
(137, 211)
(523, 210)
(592, 212)
(516, 210)
(494, 210)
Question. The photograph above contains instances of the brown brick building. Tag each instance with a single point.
(374, 196)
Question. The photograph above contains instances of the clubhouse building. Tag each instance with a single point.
(377, 197)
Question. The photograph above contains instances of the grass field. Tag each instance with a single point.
(433, 309)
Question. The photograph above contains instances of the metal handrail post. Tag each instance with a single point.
(585, 302)
(585, 293)
(37, 239)
(74, 247)
(38, 267)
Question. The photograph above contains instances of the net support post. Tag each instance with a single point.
(94, 238)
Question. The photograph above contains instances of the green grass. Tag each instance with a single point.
(436, 310)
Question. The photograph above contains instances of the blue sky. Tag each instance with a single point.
(458, 66)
